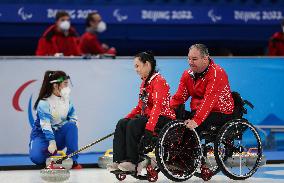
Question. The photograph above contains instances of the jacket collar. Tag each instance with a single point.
(152, 77)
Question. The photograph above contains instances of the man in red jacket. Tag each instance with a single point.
(89, 43)
(208, 86)
(59, 39)
(276, 43)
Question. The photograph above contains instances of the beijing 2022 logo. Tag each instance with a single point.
(16, 98)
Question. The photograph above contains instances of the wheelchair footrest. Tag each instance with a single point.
(123, 172)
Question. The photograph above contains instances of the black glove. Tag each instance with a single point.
(147, 142)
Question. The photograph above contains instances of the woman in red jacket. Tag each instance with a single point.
(59, 39)
(151, 114)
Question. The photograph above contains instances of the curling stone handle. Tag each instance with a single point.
(107, 153)
(61, 153)
(83, 148)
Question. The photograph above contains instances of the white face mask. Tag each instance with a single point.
(101, 27)
(65, 92)
(65, 25)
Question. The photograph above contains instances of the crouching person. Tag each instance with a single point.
(56, 122)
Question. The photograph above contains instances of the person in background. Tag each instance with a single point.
(56, 122)
(60, 39)
(276, 43)
(89, 43)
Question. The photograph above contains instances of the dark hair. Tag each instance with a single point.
(90, 18)
(46, 87)
(202, 49)
(60, 14)
(144, 57)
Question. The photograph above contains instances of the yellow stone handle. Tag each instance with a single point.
(152, 154)
(61, 154)
(107, 153)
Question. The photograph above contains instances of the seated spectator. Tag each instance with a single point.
(89, 43)
(59, 39)
(276, 43)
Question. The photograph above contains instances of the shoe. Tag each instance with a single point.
(76, 166)
(130, 167)
(112, 167)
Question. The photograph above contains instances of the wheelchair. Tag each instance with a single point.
(182, 153)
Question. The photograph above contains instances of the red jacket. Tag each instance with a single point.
(276, 44)
(158, 101)
(90, 44)
(209, 93)
(53, 41)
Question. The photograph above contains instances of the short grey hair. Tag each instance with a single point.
(202, 49)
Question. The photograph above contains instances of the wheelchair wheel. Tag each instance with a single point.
(232, 149)
(178, 151)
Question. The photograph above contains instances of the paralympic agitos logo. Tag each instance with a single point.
(16, 98)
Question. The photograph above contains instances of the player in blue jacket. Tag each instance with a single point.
(56, 122)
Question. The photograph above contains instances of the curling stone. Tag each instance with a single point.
(106, 159)
(67, 164)
(235, 160)
(252, 157)
(210, 160)
(54, 174)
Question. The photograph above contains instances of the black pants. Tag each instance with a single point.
(127, 137)
(215, 119)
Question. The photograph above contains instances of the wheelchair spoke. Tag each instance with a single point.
(185, 164)
(240, 163)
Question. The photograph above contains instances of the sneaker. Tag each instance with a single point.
(130, 167)
(112, 167)
(76, 166)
